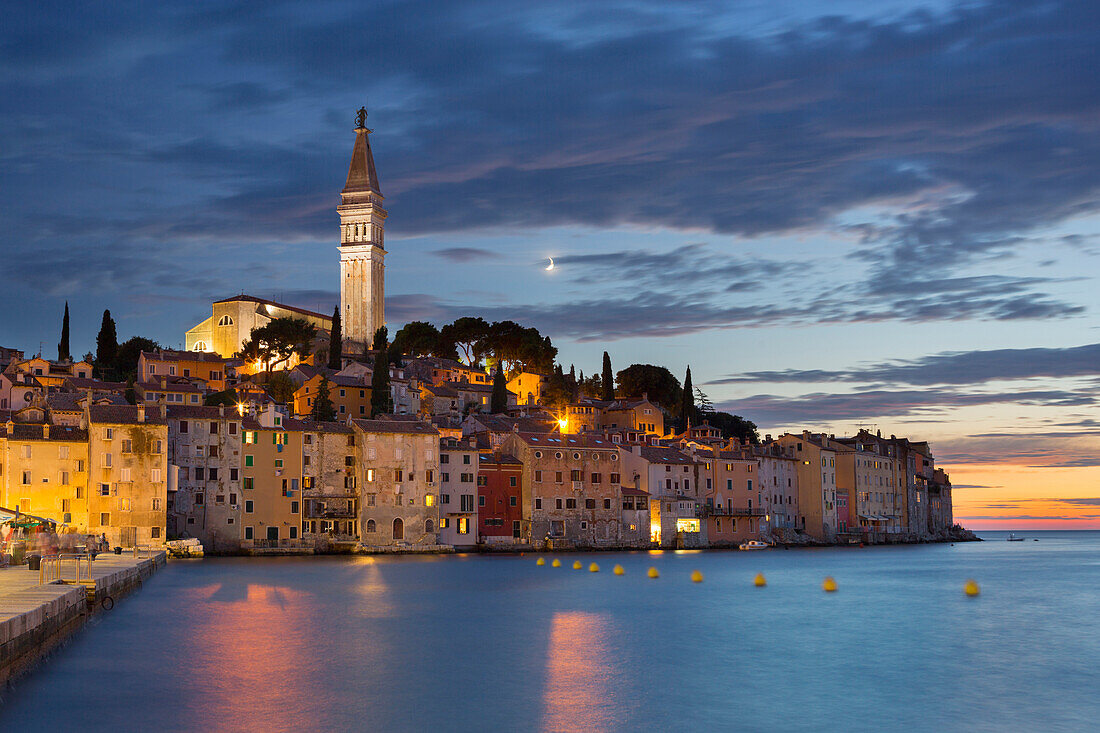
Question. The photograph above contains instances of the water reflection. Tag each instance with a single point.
(578, 695)
(253, 655)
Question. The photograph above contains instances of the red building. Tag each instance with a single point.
(499, 498)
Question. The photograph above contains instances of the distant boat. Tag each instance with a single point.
(1013, 538)
(754, 545)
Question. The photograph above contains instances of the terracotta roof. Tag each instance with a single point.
(74, 401)
(95, 384)
(30, 431)
(505, 424)
(169, 386)
(264, 301)
(579, 440)
(125, 415)
(656, 454)
(395, 426)
(200, 412)
(500, 459)
(631, 491)
(174, 355)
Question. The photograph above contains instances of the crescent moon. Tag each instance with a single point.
(551, 265)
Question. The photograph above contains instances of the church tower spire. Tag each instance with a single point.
(362, 253)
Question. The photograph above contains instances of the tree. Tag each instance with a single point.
(129, 351)
(656, 382)
(591, 386)
(281, 387)
(466, 336)
(417, 339)
(276, 342)
(734, 426)
(336, 342)
(381, 401)
(499, 401)
(703, 405)
(106, 346)
(607, 379)
(323, 410)
(131, 393)
(687, 402)
(557, 393)
(381, 338)
(227, 397)
(63, 353)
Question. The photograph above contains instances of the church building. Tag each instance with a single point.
(362, 272)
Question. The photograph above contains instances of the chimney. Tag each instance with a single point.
(141, 413)
(221, 410)
(163, 381)
(163, 411)
(46, 431)
(767, 438)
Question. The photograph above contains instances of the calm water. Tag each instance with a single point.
(499, 644)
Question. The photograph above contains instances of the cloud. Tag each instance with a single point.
(1015, 517)
(950, 367)
(465, 254)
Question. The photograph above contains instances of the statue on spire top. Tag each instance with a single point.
(361, 118)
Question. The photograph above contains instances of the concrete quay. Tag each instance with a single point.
(35, 618)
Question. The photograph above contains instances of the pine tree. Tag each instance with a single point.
(687, 407)
(323, 410)
(63, 347)
(381, 402)
(106, 346)
(607, 380)
(499, 401)
(336, 341)
(381, 337)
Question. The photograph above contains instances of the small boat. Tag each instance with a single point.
(1013, 538)
(754, 545)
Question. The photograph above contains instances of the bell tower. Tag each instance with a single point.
(362, 242)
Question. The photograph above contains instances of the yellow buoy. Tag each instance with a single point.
(593, 568)
(696, 576)
(618, 570)
(653, 573)
(759, 581)
(576, 564)
(540, 561)
(556, 563)
(971, 588)
(829, 586)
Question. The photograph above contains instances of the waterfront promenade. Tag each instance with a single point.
(36, 617)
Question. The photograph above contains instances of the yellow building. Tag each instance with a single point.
(232, 320)
(44, 472)
(528, 387)
(272, 470)
(156, 366)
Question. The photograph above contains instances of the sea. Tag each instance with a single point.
(500, 643)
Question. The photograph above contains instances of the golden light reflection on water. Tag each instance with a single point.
(578, 673)
(253, 655)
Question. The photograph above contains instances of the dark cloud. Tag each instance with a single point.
(952, 367)
(465, 254)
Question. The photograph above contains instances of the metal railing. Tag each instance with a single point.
(723, 511)
(51, 569)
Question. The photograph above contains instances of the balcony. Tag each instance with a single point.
(723, 511)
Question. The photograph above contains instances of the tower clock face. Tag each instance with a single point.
(28, 396)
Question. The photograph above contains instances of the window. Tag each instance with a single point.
(538, 502)
(515, 529)
(589, 503)
(570, 503)
(154, 475)
(232, 428)
(371, 499)
(512, 480)
(105, 519)
(429, 526)
(398, 474)
(249, 482)
(104, 489)
(557, 477)
(225, 321)
(481, 500)
(371, 526)
(107, 459)
(538, 477)
(596, 478)
(293, 533)
(248, 533)
(248, 437)
(466, 502)
(511, 501)
(109, 434)
(27, 478)
(606, 503)
(429, 500)
(293, 507)
(248, 506)
(614, 478)
(576, 475)
(200, 473)
(466, 459)
(234, 473)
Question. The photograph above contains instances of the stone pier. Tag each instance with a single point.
(35, 618)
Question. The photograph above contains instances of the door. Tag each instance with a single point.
(129, 537)
(273, 533)
(398, 529)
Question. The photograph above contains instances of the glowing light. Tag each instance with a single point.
(240, 409)
(563, 424)
(429, 500)
(551, 265)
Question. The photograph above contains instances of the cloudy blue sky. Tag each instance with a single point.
(837, 212)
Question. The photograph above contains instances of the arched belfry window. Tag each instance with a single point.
(225, 321)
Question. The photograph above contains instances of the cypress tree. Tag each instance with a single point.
(63, 347)
(381, 337)
(336, 341)
(322, 405)
(106, 346)
(687, 407)
(381, 402)
(499, 401)
(607, 381)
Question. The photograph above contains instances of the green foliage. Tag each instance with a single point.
(688, 415)
(126, 358)
(381, 401)
(557, 393)
(418, 339)
(499, 401)
(592, 386)
(131, 393)
(466, 336)
(106, 347)
(733, 426)
(63, 353)
(276, 342)
(336, 341)
(381, 339)
(607, 379)
(703, 403)
(322, 404)
(281, 387)
(656, 382)
(227, 397)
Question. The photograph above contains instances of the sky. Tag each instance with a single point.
(840, 214)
